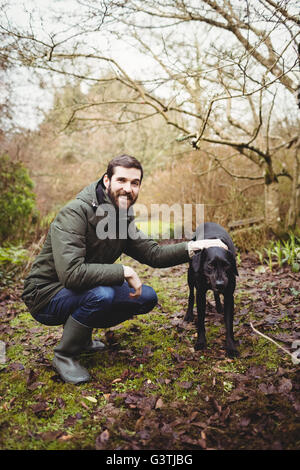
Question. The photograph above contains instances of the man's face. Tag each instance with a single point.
(124, 186)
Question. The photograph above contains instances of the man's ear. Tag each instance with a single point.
(106, 181)
(198, 259)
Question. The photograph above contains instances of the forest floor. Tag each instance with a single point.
(150, 389)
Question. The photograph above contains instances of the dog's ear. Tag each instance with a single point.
(232, 260)
(231, 255)
(198, 259)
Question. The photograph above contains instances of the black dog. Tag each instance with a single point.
(213, 268)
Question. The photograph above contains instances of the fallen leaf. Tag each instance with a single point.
(216, 405)
(102, 439)
(39, 407)
(199, 424)
(285, 385)
(287, 299)
(31, 377)
(260, 269)
(115, 381)
(91, 399)
(84, 405)
(202, 443)
(35, 385)
(193, 416)
(65, 437)
(225, 413)
(60, 402)
(267, 389)
(70, 421)
(245, 421)
(185, 385)
(159, 403)
(139, 423)
(50, 435)
(16, 366)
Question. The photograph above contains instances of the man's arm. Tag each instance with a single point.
(148, 251)
(69, 252)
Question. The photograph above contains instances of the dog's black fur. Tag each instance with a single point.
(213, 268)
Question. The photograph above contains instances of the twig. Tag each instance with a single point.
(294, 357)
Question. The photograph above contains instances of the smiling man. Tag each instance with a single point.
(123, 185)
(75, 280)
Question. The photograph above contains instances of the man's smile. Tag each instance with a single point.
(125, 196)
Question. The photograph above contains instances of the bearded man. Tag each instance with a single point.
(75, 281)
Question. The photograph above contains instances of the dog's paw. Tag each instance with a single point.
(189, 317)
(232, 353)
(200, 345)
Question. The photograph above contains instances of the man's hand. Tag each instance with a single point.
(194, 246)
(133, 280)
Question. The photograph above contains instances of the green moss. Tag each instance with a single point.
(151, 355)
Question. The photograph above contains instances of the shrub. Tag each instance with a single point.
(282, 252)
(12, 262)
(17, 201)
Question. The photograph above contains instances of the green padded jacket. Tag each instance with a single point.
(74, 257)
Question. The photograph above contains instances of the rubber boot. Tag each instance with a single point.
(74, 340)
(93, 345)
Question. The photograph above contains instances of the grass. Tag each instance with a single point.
(148, 386)
(156, 228)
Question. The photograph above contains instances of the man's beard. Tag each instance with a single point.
(114, 197)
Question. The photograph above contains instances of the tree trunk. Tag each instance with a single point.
(292, 215)
(272, 217)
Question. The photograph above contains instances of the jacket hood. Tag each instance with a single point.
(95, 194)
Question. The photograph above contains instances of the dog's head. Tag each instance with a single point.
(216, 265)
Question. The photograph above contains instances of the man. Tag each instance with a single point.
(75, 281)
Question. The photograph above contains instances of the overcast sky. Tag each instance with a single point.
(40, 15)
(33, 100)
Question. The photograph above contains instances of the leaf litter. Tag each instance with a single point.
(165, 395)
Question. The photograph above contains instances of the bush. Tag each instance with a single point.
(17, 201)
(12, 262)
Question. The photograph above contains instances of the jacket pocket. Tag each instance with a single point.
(30, 294)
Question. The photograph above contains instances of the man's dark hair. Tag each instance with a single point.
(126, 161)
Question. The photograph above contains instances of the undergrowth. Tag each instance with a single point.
(150, 389)
(280, 252)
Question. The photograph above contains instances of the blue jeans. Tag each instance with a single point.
(100, 307)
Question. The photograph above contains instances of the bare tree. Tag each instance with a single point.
(219, 72)
(231, 77)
